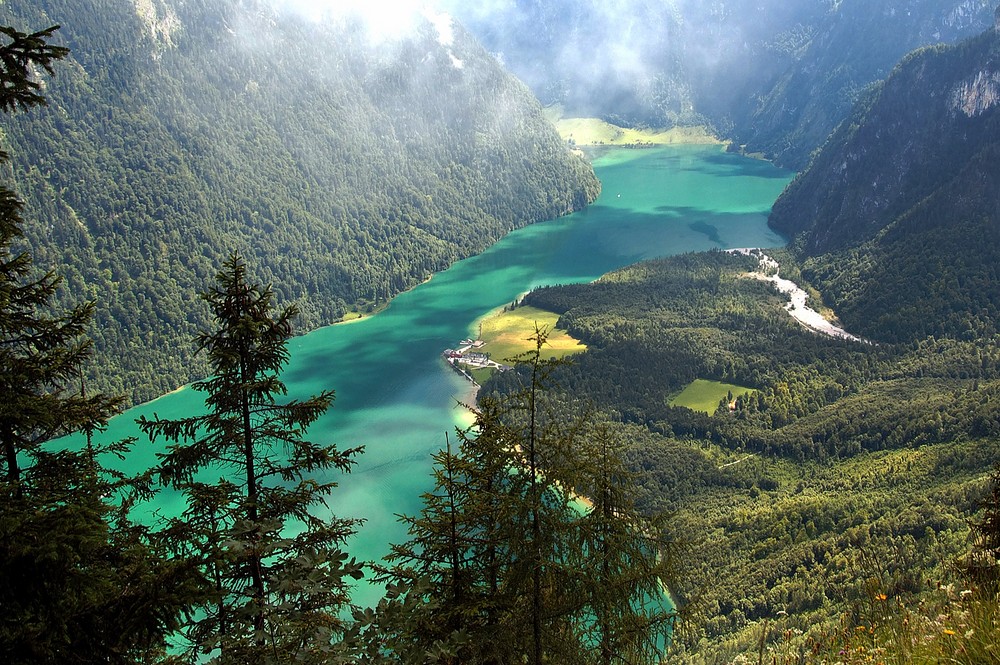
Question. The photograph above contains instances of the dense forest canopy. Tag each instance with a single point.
(345, 169)
(826, 497)
(830, 499)
(847, 471)
(834, 493)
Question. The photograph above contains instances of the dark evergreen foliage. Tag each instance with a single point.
(274, 574)
(19, 55)
(898, 214)
(506, 565)
(79, 581)
(774, 76)
(850, 470)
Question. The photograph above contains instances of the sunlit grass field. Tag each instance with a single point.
(508, 334)
(703, 395)
(594, 131)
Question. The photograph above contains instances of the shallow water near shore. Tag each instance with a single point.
(396, 396)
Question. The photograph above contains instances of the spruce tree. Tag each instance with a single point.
(504, 564)
(982, 565)
(540, 549)
(20, 54)
(446, 585)
(272, 564)
(626, 563)
(79, 581)
(39, 352)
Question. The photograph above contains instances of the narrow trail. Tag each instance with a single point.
(739, 461)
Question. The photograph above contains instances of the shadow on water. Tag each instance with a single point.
(732, 164)
(710, 231)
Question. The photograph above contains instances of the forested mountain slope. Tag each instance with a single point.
(842, 472)
(775, 75)
(900, 211)
(345, 165)
(828, 63)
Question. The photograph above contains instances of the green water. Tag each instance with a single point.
(395, 395)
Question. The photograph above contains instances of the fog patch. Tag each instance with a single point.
(382, 20)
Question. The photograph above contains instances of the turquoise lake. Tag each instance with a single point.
(396, 395)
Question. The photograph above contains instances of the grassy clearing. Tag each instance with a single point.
(506, 334)
(593, 131)
(703, 395)
(480, 374)
(352, 315)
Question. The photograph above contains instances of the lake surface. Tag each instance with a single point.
(395, 394)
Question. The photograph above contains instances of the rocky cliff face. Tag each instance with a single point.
(908, 138)
(854, 44)
(900, 211)
(977, 95)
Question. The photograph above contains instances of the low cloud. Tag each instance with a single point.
(384, 20)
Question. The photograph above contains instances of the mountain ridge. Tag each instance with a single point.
(897, 214)
(773, 76)
(346, 170)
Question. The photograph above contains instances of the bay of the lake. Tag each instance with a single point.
(396, 395)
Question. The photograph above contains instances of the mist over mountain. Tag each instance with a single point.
(346, 160)
(355, 148)
(822, 487)
(774, 75)
(900, 211)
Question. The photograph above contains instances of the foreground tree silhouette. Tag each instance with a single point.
(626, 563)
(504, 565)
(274, 572)
(79, 582)
(982, 566)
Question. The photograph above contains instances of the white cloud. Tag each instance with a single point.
(384, 19)
(444, 25)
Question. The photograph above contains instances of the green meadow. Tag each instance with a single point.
(508, 334)
(594, 131)
(703, 395)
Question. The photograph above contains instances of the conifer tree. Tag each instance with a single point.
(503, 565)
(20, 54)
(39, 352)
(79, 581)
(626, 563)
(541, 559)
(446, 591)
(272, 563)
(982, 565)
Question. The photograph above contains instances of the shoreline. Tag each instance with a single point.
(168, 394)
(377, 310)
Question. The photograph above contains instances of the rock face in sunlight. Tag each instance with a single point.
(159, 21)
(977, 95)
(347, 161)
(900, 211)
